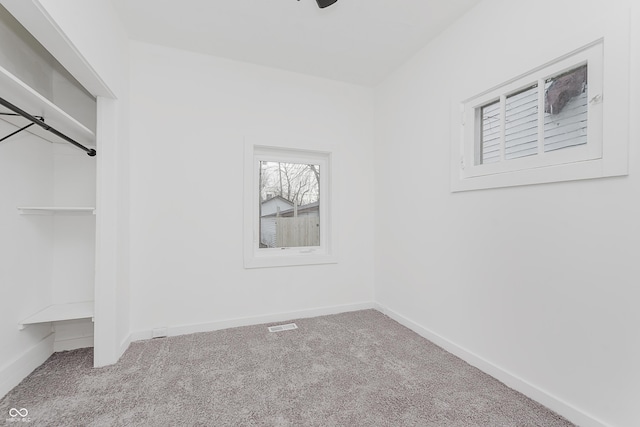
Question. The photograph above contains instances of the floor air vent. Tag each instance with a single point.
(286, 327)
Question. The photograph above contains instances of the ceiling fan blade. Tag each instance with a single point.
(324, 3)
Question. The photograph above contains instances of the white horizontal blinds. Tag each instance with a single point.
(566, 110)
(521, 123)
(490, 133)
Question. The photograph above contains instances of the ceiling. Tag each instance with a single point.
(356, 41)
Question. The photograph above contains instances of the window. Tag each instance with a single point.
(549, 115)
(289, 205)
(288, 215)
(528, 129)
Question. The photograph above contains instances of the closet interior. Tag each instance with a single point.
(48, 208)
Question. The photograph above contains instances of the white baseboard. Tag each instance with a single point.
(552, 402)
(124, 345)
(254, 320)
(73, 334)
(72, 343)
(13, 372)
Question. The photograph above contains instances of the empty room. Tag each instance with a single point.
(320, 213)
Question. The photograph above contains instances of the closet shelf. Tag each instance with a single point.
(17, 92)
(57, 210)
(58, 312)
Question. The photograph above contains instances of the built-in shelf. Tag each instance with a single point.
(20, 94)
(58, 312)
(57, 210)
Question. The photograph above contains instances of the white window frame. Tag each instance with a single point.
(591, 56)
(256, 257)
(603, 155)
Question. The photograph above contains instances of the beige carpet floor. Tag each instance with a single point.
(350, 369)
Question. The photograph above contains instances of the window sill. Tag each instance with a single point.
(590, 169)
(269, 260)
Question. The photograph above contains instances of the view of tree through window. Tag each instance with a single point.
(289, 205)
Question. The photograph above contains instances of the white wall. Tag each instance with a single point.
(190, 115)
(537, 284)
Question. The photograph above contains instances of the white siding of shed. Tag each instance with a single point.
(491, 131)
(271, 206)
(521, 124)
(569, 127)
(565, 129)
(268, 231)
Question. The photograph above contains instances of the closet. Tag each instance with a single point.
(50, 179)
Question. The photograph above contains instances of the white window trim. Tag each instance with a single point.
(592, 150)
(256, 257)
(605, 154)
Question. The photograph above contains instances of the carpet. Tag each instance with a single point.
(351, 369)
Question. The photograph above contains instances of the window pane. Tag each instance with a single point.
(565, 107)
(490, 133)
(521, 124)
(289, 205)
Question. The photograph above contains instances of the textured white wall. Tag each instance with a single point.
(190, 115)
(539, 281)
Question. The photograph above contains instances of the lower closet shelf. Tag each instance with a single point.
(53, 210)
(57, 312)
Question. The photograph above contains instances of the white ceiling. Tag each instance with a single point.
(356, 41)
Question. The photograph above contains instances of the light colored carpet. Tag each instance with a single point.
(351, 369)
